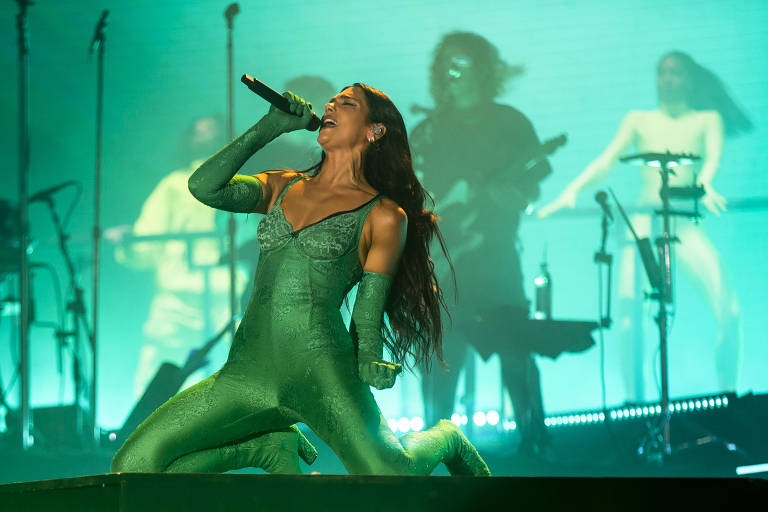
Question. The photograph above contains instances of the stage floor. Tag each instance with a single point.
(146, 492)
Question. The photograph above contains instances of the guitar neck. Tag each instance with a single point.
(196, 359)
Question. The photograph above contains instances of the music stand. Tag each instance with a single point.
(660, 275)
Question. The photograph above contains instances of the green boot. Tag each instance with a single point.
(274, 452)
(462, 458)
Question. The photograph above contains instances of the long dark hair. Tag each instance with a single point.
(490, 67)
(413, 307)
(705, 91)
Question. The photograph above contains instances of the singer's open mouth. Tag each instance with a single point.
(328, 122)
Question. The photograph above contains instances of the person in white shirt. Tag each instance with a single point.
(191, 297)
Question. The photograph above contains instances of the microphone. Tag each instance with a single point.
(601, 198)
(276, 99)
(98, 32)
(46, 193)
(230, 13)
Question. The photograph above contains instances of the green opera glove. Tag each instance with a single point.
(367, 315)
(216, 182)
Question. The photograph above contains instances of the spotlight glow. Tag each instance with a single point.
(392, 422)
(750, 470)
(479, 418)
(404, 424)
(417, 423)
(492, 417)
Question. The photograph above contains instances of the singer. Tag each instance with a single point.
(360, 218)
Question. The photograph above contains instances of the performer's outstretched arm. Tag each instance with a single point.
(388, 232)
(216, 182)
(598, 168)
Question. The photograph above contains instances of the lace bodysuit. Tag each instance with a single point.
(292, 358)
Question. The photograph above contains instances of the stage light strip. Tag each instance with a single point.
(480, 418)
(639, 411)
(486, 419)
(751, 470)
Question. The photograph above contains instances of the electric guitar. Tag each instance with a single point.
(461, 206)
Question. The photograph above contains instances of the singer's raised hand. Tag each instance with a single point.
(216, 182)
(298, 119)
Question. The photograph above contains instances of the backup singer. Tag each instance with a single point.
(694, 112)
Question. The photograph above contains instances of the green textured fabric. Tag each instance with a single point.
(292, 360)
(215, 182)
(367, 318)
(275, 452)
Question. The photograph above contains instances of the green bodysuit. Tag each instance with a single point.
(292, 359)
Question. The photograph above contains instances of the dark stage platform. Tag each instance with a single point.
(128, 492)
(707, 442)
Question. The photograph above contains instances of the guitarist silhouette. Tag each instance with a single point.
(482, 162)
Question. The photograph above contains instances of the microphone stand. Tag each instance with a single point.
(24, 289)
(98, 41)
(663, 296)
(76, 308)
(603, 258)
(658, 447)
(229, 14)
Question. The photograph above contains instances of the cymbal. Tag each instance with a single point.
(657, 159)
